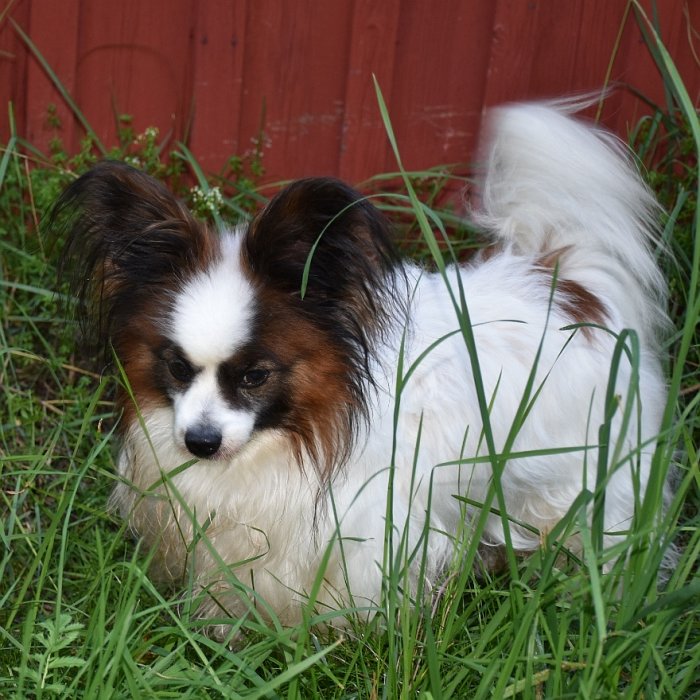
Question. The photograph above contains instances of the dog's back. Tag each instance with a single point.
(572, 268)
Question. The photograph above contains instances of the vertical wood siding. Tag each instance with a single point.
(212, 72)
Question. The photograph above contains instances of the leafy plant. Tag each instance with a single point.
(53, 661)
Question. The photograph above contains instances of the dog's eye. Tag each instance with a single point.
(180, 369)
(254, 378)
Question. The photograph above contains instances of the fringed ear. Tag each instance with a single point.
(323, 227)
(125, 238)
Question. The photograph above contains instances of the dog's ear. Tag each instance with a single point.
(124, 238)
(322, 227)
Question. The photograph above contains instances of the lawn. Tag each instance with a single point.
(79, 617)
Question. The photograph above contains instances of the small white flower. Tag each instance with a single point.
(211, 199)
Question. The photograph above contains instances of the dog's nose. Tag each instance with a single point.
(203, 441)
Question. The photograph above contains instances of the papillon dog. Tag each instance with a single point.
(296, 399)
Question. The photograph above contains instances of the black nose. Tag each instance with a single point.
(203, 441)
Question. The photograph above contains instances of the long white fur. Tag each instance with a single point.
(550, 183)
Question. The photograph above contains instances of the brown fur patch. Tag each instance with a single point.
(137, 344)
(488, 252)
(580, 304)
(576, 301)
(322, 412)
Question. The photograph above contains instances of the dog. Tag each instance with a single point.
(298, 400)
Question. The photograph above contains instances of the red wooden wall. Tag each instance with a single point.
(210, 71)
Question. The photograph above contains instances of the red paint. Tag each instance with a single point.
(209, 72)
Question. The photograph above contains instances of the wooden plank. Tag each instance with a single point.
(13, 67)
(135, 60)
(219, 49)
(364, 150)
(636, 68)
(511, 53)
(439, 81)
(572, 49)
(550, 49)
(59, 49)
(576, 51)
(295, 68)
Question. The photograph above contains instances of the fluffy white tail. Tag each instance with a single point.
(554, 182)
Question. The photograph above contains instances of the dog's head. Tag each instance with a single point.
(269, 326)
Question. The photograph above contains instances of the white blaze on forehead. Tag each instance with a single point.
(212, 314)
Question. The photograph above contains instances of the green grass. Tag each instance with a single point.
(79, 618)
